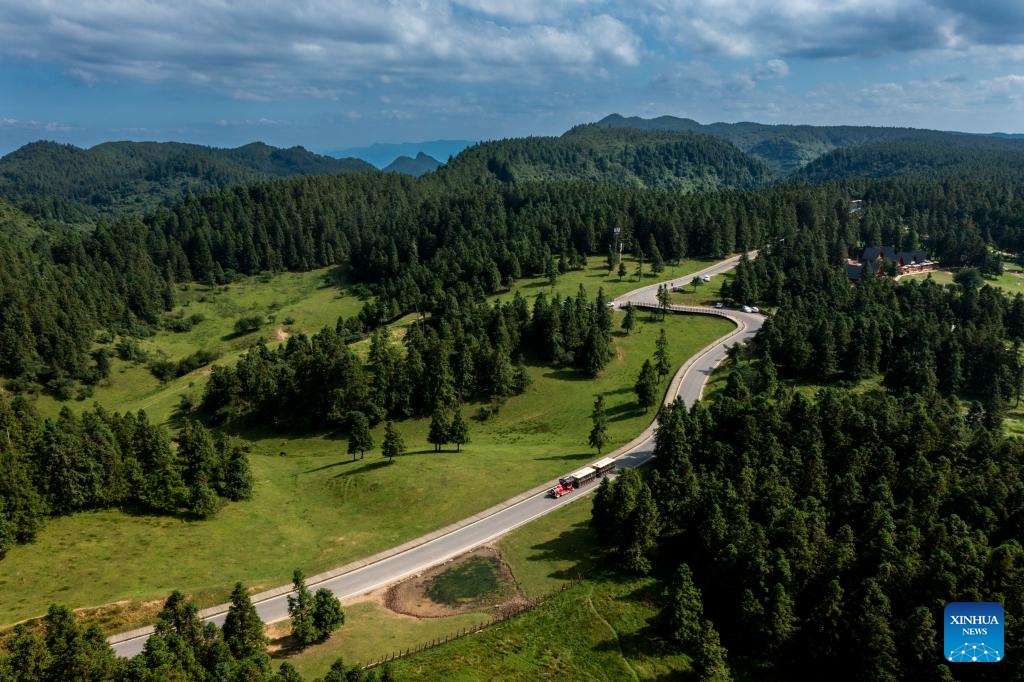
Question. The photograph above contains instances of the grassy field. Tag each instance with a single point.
(1011, 281)
(598, 629)
(542, 555)
(596, 276)
(315, 508)
(705, 295)
(288, 302)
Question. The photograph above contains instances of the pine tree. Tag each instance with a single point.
(684, 607)
(711, 656)
(459, 431)
(440, 427)
(393, 445)
(646, 387)
(599, 430)
(661, 360)
(629, 322)
(359, 437)
(243, 629)
(300, 609)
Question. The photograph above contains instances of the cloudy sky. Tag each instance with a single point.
(329, 74)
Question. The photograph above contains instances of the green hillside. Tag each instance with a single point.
(653, 159)
(115, 178)
(788, 148)
(964, 157)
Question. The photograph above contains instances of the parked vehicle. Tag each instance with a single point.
(747, 309)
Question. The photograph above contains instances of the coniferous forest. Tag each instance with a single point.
(852, 477)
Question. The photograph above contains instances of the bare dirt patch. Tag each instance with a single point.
(410, 597)
(281, 334)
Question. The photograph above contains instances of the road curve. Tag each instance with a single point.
(354, 580)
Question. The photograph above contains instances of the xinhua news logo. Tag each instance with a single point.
(973, 632)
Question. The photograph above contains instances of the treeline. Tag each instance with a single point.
(958, 156)
(617, 156)
(402, 242)
(101, 459)
(181, 648)
(468, 349)
(811, 532)
(919, 335)
(405, 243)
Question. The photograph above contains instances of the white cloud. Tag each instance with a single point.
(312, 48)
(773, 68)
(525, 11)
(814, 29)
(47, 126)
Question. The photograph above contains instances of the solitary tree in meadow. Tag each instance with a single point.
(599, 430)
(393, 445)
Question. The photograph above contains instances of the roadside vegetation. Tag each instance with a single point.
(311, 500)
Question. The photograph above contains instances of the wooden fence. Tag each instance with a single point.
(504, 614)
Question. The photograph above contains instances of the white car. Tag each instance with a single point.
(754, 309)
(747, 309)
(719, 305)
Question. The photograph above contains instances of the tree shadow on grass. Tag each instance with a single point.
(649, 640)
(567, 375)
(370, 465)
(578, 456)
(630, 411)
(576, 545)
(339, 463)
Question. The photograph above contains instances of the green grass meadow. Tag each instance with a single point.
(596, 276)
(315, 508)
(597, 630)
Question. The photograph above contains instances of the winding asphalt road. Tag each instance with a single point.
(354, 580)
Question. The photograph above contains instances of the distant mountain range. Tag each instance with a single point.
(65, 182)
(423, 163)
(70, 184)
(381, 154)
(623, 156)
(788, 148)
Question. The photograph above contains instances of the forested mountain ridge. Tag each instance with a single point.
(655, 159)
(71, 184)
(788, 148)
(968, 158)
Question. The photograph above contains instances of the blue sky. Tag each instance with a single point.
(329, 74)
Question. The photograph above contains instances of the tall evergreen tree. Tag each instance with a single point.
(300, 609)
(359, 437)
(393, 445)
(661, 359)
(440, 427)
(646, 387)
(599, 428)
(243, 629)
(459, 431)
